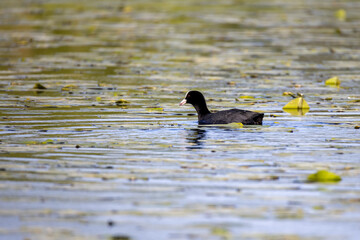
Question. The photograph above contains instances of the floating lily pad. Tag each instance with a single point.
(39, 86)
(297, 103)
(323, 176)
(236, 125)
(221, 232)
(288, 94)
(69, 87)
(48, 141)
(246, 97)
(334, 81)
(121, 102)
(156, 109)
(341, 14)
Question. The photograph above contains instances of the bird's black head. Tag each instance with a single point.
(194, 98)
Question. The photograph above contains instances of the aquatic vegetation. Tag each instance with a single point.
(334, 81)
(236, 125)
(323, 176)
(39, 86)
(297, 106)
(340, 14)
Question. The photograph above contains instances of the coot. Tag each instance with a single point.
(221, 117)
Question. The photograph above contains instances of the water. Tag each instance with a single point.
(105, 152)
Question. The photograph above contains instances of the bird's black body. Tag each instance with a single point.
(221, 117)
(232, 116)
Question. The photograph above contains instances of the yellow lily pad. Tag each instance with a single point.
(236, 125)
(289, 94)
(157, 109)
(334, 81)
(297, 103)
(127, 9)
(69, 87)
(323, 176)
(221, 232)
(246, 97)
(48, 141)
(340, 14)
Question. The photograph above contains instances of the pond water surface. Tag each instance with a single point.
(105, 152)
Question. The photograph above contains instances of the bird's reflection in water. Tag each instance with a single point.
(195, 137)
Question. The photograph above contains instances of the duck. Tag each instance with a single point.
(198, 101)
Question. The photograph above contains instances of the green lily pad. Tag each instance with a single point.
(69, 87)
(221, 232)
(39, 86)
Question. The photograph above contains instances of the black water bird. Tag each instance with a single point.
(245, 117)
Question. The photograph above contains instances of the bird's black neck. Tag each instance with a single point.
(201, 109)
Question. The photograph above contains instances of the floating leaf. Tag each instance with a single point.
(165, 145)
(297, 103)
(69, 87)
(334, 81)
(121, 102)
(157, 109)
(289, 213)
(318, 207)
(39, 86)
(323, 176)
(338, 31)
(246, 97)
(48, 141)
(148, 88)
(236, 125)
(340, 14)
(221, 232)
(30, 142)
(127, 9)
(289, 94)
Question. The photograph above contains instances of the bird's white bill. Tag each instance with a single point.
(182, 102)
